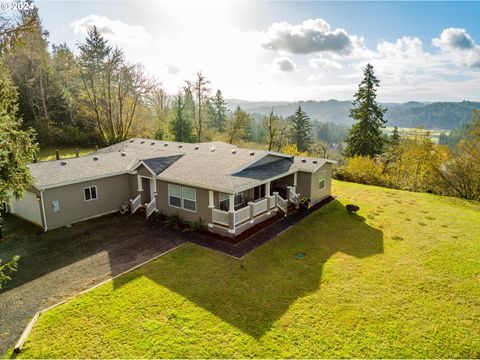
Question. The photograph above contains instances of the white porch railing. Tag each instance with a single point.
(151, 207)
(282, 204)
(272, 202)
(220, 217)
(135, 203)
(260, 206)
(242, 215)
(292, 195)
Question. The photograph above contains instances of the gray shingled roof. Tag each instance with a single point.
(214, 165)
(160, 164)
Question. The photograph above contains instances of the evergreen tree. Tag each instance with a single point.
(300, 133)
(219, 111)
(181, 124)
(366, 137)
(395, 138)
(17, 146)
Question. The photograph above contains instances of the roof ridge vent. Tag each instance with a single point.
(63, 163)
(142, 142)
(212, 149)
(132, 140)
(251, 153)
(304, 160)
(95, 158)
(315, 161)
(166, 144)
(196, 147)
(234, 151)
(152, 143)
(123, 153)
(180, 146)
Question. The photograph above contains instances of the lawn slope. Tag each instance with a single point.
(401, 279)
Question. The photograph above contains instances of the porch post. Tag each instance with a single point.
(231, 213)
(211, 206)
(250, 203)
(268, 196)
(275, 193)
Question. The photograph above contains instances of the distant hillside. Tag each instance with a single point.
(438, 115)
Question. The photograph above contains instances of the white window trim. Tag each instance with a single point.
(324, 172)
(181, 201)
(96, 193)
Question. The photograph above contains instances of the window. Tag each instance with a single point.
(175, 196)
(90, 193)
(224, 201)
(321, 181)
(182, 197)
(55, 206)
(259, 192)
(189, 199)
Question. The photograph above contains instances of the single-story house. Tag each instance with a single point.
(229, 188)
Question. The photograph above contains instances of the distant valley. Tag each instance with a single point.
(435, 115)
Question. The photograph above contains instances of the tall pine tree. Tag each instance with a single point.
(181, 123)
(219, 112)
(366, 136)
(17, 146)
(301, 130)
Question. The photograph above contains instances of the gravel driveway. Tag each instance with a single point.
(60, 263)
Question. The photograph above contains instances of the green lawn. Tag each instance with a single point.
(402, 279)
(65, 152)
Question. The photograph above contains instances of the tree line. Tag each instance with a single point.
(413, 163)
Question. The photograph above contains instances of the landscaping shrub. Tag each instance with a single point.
(173, 221)
(197, 225)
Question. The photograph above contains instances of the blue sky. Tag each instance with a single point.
(270, 50)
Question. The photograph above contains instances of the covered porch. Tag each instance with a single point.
(231, 214)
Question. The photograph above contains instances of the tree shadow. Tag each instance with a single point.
(253, 293)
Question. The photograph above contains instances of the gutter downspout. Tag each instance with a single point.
(45, 226)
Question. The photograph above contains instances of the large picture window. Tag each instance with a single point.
(175, 196)
(182, 197)
(90, 193)
(189, 199)
(321, 181)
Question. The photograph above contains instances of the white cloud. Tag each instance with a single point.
(284, 64)
(454, 38)
(316, 62)
(113, 30)
(311, 36)
(460, 46)
(320, 63)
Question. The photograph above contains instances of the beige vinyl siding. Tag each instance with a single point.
(111, 192)
(308, 184)
(202, 210)
(28, 207)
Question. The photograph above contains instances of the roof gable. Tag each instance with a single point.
(157, 165)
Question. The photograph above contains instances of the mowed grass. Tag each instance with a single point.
(48, 153)
(400, 280)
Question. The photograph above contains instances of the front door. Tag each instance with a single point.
(147, 192)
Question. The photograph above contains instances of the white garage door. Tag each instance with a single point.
(28, 208)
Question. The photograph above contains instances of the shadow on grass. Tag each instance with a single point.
(253, 293)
